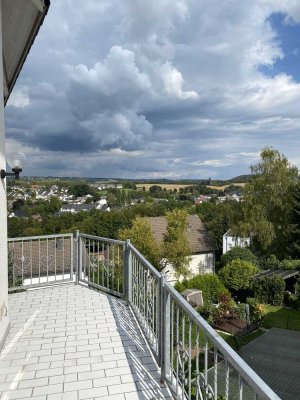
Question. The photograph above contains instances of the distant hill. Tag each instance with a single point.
(241, 179)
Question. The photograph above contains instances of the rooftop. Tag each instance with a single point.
(197, 235)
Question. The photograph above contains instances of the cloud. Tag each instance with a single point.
(173, 88)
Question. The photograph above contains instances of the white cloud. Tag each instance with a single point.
(154, 87)
(19, 98)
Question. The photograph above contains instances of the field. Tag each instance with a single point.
(226, 186)
(168, 186)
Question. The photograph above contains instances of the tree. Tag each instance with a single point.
(176, 249)
(218, 219)
(268, 202)
(294, 241)
(238, 253)
(155, 189)
(238, 274)
(141, 236)
(80, 189)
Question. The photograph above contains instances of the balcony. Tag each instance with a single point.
(94, 319)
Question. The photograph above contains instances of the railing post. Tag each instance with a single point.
(165, 323)
(127, 273)
(78, 256)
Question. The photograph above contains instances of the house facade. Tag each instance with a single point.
(230, 241)
(202, 246)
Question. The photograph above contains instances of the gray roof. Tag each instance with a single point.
(284, 273)
(21, 21)
(197, 235)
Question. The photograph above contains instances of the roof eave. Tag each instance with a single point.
(34, 32)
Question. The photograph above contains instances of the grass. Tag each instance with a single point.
(238, 342)
(281, 317)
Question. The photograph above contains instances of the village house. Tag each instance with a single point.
(201, 245)
(230, 241)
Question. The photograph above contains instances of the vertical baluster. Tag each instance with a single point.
(13, 261)
(30, 262)
(47, 258)
(148, 322)
(39, 260)
(108, 265)
(177, 349)
(183, 356)
(206, 368)
(103, 265)
(113, 268)
(89, 261)
(22, 261)
(63, 258)
(172, 339)
(241, 387)
(98, 263)
(144, 297)
(197, 383)
(215, 373)
(55, 249)
(93, 260)
(190, 359)
(227, 371)
(119, 269)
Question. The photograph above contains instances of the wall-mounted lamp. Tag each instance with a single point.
(16, 161)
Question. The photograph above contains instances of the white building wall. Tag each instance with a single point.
(199, 264)
(230, 241)
(4, 321)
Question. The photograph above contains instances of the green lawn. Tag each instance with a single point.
(238, 342)
(281, 317)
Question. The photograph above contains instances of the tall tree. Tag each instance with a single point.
(142, 238)
(268, 202)
(176, 249)
(294, 241)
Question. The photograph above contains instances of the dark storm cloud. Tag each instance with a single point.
(169, 88)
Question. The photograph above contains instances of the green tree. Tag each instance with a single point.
(80, 189)
(294, 241)
(141, 236)
(238, 253)
(176, 249)
(238, 274)
(268, 202)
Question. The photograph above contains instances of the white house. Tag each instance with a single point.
(201, 245)
(230, 241)
(20, 21)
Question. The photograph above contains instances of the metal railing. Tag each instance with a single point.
(196, 363)
(40, 260)
(100, 263)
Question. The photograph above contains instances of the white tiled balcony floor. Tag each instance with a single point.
(70, 342)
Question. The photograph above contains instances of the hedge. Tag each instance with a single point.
(210, 285)
(269, 289)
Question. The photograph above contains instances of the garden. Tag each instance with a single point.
(243, 299)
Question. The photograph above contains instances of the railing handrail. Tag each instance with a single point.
(247, 373)
(145, 261)
(100, 238)
(25, 238)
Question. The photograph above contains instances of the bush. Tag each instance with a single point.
(241, 253)
(209, 284)
(273, 263)
(257, 310)
(238, 274)
(269, 289)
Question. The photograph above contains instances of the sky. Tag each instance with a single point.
(164, 89)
